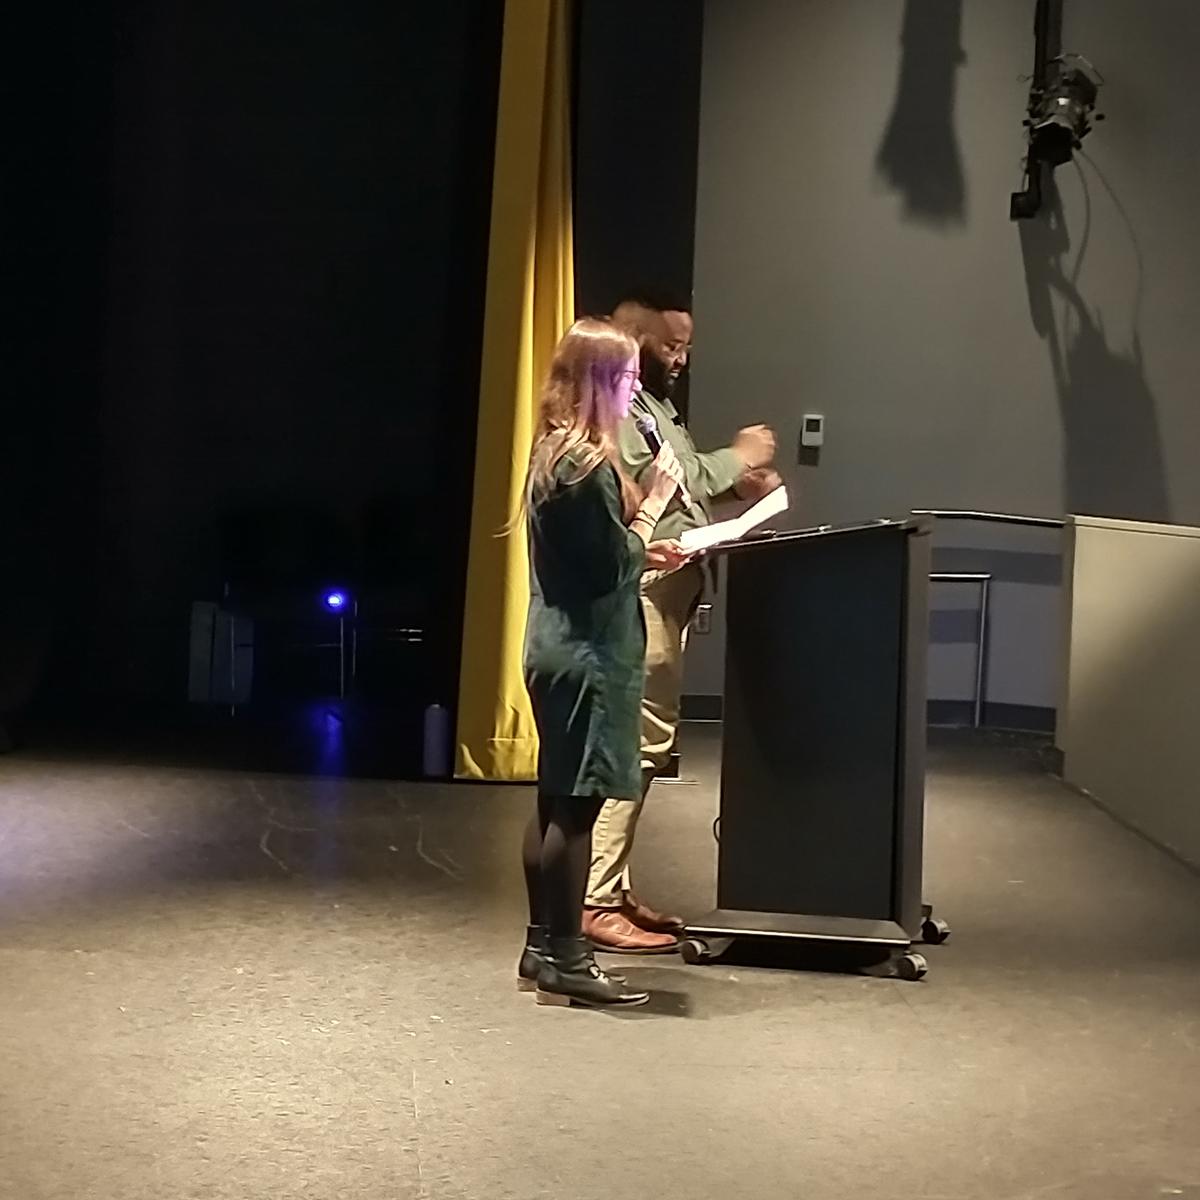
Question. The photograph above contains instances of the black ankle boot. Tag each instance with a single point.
(534, 956)
(569, 975)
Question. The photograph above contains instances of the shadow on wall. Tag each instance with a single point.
(919, 157)
(1111, 441)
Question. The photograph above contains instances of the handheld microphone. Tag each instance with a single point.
(648, 428)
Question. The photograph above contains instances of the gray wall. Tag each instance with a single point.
(854, 257)
(1022, 657)
(1128, 728)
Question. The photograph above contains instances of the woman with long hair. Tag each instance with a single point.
(585, 644)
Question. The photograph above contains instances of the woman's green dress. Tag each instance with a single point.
(585, 643)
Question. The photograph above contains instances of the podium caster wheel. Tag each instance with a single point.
(934, 931)
(911, 967)
(697, 950)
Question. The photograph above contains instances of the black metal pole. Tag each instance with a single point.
(1047, 44)
(1047, 48)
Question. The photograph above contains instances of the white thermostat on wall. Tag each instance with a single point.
(812, 430)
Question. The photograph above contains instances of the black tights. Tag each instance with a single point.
(557, 854)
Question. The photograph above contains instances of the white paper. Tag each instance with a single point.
(707, 536)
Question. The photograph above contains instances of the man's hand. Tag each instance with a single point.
(755, 445)
(756, 484)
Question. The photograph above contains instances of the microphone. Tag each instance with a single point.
(648, 427)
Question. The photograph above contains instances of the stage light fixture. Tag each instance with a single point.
(1062, 103)
(336, 602)
(1059, 116)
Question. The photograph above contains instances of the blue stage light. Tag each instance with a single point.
(336, 601)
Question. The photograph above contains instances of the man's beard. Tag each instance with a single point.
(656, 379)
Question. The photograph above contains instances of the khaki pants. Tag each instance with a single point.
(668, 602)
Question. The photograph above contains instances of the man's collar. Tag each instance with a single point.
(672, 411)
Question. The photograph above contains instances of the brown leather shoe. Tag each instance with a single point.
(644, 917)
(611, 930)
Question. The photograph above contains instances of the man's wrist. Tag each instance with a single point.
(722, 469)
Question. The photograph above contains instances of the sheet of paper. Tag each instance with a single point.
(771, 505)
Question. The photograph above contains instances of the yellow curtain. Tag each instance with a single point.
(530, 303)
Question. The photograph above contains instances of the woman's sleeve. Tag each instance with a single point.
(584, 522)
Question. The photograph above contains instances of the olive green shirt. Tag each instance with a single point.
(706, 476)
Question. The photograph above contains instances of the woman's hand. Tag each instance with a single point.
(663, 479)
(666, 556)
(666, 476)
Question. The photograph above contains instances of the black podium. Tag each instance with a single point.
(823, 763)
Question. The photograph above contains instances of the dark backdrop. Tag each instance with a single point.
(55, 126)
(244, 249)
(637, 128)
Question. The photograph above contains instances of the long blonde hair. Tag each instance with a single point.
(577, 413)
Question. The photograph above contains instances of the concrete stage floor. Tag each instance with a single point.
(226, 985)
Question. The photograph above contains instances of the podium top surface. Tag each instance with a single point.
(915, 525)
